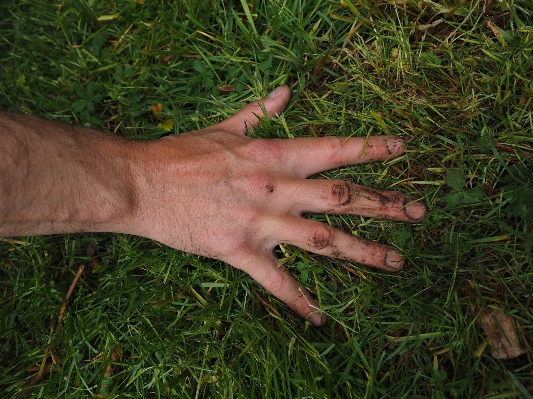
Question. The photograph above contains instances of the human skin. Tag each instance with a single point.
(213, 192)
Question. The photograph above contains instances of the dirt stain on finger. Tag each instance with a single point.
(393, 145)
(322, 237)
(321, 242)
(385, 204)
(342, 193)
(367, 256)
(338, 254)
(371, 194)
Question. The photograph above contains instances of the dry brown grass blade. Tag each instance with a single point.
(501, 334)
(115, 356)
(114, 359)
(265, 303)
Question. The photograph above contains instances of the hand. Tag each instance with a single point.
(217, 193)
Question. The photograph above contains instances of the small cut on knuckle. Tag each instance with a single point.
(261, 184)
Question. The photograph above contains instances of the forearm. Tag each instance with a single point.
(56, 178)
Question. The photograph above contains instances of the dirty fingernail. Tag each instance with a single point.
(415, 211)
(276, 92)
(394, 145)
(394, 259)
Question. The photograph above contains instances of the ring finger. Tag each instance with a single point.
(325, 240)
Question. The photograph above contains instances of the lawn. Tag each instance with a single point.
(454, 79)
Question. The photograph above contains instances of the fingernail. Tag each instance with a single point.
(415, 211)
(394, 259)
(276, 92)
(317, 318)
(394, 144)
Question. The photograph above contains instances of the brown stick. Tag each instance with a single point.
(43, 369)
(66, 301)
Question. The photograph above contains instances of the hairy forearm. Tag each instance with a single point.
(56, 178)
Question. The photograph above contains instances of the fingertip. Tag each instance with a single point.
(249, 116)
(416, 211)
(280, 90)
(395, 145)
(394, 260)
(277, 100)
(316, 318)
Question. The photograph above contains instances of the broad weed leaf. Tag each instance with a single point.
(455, 179)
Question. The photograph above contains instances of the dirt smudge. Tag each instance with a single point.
(342, 193)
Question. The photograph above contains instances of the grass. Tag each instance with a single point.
(456, 81)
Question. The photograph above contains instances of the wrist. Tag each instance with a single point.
(127, 171)
(142, 164)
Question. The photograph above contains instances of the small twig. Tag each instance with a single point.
(10, 297)
(41, 369)
(67, 297)
(511, 149)
(35, 380)
(350, 269)
(354, 30)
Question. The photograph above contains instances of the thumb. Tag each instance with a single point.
(247, 117)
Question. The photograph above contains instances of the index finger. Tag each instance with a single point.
(307, 156)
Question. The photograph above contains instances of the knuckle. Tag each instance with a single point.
(341, 193)
(243, 237)
(322, 236)
(237, 246)
(264, 150)
(254, 107)
(276, 282)
(335, 148)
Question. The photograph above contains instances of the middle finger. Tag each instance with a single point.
(338, 197)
